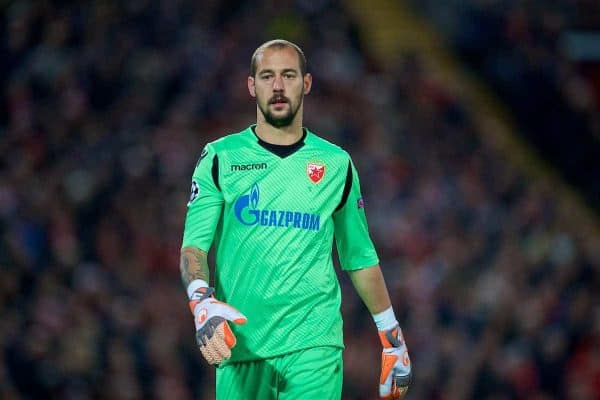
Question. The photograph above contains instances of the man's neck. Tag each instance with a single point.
(285, 135)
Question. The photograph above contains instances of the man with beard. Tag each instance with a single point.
(272, 198)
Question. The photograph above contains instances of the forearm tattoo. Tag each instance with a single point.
(193, 265)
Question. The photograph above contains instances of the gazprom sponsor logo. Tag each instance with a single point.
(247, 211)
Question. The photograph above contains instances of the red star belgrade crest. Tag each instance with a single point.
(315, 171)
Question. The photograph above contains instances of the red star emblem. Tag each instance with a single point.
(315, 171)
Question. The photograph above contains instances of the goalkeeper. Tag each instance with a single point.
(271, 199)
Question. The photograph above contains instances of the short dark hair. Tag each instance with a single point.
(280, 44)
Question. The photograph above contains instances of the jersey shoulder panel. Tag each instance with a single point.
(232, 141)
(323, 145)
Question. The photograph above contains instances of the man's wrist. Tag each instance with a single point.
(385, 320)
(194, 286)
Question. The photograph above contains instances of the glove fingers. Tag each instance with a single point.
(398, 392)
(220, 341)
(395, 365)
(385, 385)
(228, 336)
(213, 334)
(211, 356)
(392, 386)
(206, 330)
(385, 391)
(388, 361)
(218, 347)
(399, 386)
(402, 381)
(201, 338)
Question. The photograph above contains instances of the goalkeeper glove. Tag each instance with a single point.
(396, 371)
(213, 334)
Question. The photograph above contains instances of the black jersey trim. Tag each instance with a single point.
(347, 187)
(281, 150)
(215, 171)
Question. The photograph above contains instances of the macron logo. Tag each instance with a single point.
(248, 167)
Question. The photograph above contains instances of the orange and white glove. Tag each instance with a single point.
(396, 373)
(213, 334)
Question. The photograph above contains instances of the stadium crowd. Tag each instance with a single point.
(105, 109)
(527, 52)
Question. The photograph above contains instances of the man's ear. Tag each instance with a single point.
(307, 83)
(251, 87)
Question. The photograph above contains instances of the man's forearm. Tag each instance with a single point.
(193, 265)
(371, 288)
(396, 372)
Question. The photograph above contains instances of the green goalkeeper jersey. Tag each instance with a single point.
(272, 212)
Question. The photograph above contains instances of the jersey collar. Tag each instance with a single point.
(280, 150)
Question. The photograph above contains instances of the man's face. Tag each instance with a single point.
(278, 85)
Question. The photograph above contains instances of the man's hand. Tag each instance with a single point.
(213, 334)
(395, 365)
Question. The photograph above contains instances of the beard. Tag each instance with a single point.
(281, 120)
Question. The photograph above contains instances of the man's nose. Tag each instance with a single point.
(278, 83)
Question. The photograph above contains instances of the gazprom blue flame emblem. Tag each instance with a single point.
(254, 196)
(248, 203)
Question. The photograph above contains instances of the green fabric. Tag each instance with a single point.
(273, 230)
(312, 374)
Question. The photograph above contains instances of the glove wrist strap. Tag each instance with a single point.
(385, 320)
(198, 291)
(194, 286)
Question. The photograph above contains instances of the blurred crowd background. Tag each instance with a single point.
(542, 57)
(106, 106)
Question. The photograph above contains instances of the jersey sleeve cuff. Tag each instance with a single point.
(361, 263)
